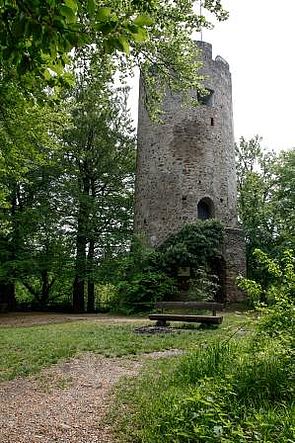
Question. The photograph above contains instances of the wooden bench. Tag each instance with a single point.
(204, 319)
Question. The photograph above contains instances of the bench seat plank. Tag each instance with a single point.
(217, 319)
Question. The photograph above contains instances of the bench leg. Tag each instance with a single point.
(161, 323)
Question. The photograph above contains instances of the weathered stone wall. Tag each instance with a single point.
(187, 158)
(234, 253)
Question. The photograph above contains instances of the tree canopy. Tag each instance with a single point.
(36, 33)
(266, 185)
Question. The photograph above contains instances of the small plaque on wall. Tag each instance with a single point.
(184, 272)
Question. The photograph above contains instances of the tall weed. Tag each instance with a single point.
(209, 361)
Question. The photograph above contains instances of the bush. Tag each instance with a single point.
(204, 285)
(193, 246)
(137, 281)
(143, 290)
(146, 275)
(106, 297)
(278, 311)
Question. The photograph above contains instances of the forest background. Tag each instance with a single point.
(67, 161)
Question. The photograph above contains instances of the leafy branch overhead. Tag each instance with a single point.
(37, 33)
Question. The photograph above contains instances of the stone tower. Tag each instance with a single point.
(186, 168)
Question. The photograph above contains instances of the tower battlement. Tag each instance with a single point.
(206, 49)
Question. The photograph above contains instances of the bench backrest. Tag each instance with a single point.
(213, 306)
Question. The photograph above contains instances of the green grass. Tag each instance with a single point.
(228, 388)
(230, 391)
(27, 350)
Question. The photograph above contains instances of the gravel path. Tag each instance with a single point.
(66, 403)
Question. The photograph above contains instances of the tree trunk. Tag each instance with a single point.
(81, 242)
(8, 256)
(80, 270)
(45, 291)
(90, 282)
(7, 286)
(7, 296)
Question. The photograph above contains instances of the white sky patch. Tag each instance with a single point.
(258, 43)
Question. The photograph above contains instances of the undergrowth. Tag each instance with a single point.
(236, 391)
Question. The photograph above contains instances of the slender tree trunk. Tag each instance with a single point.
(90, 282)
(45, 289)
(80, 270)
(81, 242)
(7, 296)
(7, 286)
(86, 171)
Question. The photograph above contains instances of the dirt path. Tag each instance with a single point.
(66, 403)
(27, 319)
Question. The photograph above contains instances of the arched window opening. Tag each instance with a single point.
(205, 209)
(206, 98)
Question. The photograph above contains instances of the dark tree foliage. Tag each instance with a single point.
(148, 275)
(193, 246)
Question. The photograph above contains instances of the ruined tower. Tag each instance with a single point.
(186, 167)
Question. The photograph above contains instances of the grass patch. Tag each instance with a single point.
(228, 391)
(27, 350)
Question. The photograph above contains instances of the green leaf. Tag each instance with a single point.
(68, 13)
(109, 46)
(143, 20)
(103, 14)
(46, 75)
(66, 59)
(123, 42)
(132, 27)
(140, 36)
(72, 4)
(69, 79)
(58, 68)
(91, 6)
